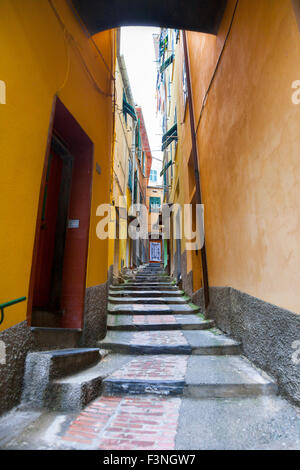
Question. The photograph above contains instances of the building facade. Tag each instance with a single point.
(131, 170)
(121, 248)
(56, 154)
(244, 144)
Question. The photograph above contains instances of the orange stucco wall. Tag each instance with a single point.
(249, 142)
(37, 61)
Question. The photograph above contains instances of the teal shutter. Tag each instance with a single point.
(135, 187)
(130, 174)
(167, 63)
(128, 109)
(169, 137)
(155, 204)
(163, 172)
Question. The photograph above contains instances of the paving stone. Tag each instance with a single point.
(143, 309)
(129, 423)
(145, 293)
(191, 376)
(167, 360)
(170, 342)
(147, 300)
(157, 322)
(168, 338)
(154, 367)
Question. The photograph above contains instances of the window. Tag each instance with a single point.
(128, 109)
(154, 204)
(138, 144)
(135, 187)
(153, 176)
(130, 174)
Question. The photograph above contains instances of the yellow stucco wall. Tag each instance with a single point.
(249, 140)
(36, 62)
(124, 132)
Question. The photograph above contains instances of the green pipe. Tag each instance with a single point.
(8, 304)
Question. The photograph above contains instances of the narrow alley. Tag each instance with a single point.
(164, 375)
(150, 242)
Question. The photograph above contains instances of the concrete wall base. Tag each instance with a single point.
(95, 316)
(20, 339)
(187, 278)
(267, 332)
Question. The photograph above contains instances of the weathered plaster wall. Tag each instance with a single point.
(38, 61)
(249, 140)
(21, 339)
(269, 334)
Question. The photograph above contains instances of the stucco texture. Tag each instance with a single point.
(249, 140)
(38, 61)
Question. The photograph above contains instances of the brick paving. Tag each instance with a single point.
(153, 319)
(151, 338)
(129, 423)
(137, 422)
(154, 368)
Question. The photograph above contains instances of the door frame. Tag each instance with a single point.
(161, 258)
(65, 126)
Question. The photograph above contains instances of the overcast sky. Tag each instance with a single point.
(138, 50)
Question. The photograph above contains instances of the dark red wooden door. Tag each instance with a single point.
(46, 245)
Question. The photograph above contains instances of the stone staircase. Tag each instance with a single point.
(157, 343)
(171, 348)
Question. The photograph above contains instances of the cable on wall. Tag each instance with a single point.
(217, 65)
(71, 39)
(89, 36)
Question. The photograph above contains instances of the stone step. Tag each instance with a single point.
(170, 342)
(150, 282)
(74, 392)
(153, 278)
(155, 309)
(144, 287)
(194, 376)
(148, 300)
(157, 322)
(43, 367)
(145, 293)
(151, 272)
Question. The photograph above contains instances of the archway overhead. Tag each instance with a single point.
(194, 15)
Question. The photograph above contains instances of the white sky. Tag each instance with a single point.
(138, 50)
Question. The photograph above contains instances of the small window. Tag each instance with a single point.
(155, 204)
(153, 176)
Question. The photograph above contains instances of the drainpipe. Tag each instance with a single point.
(134, 242)
(196, 164)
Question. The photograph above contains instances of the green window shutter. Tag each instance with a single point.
(130, 174)
(128, 109)
(167, 63)
(135, 188)
(169, 136)
(163, 172)
(138, 141)
(163, 43)
(137, 133)
(155, 204)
